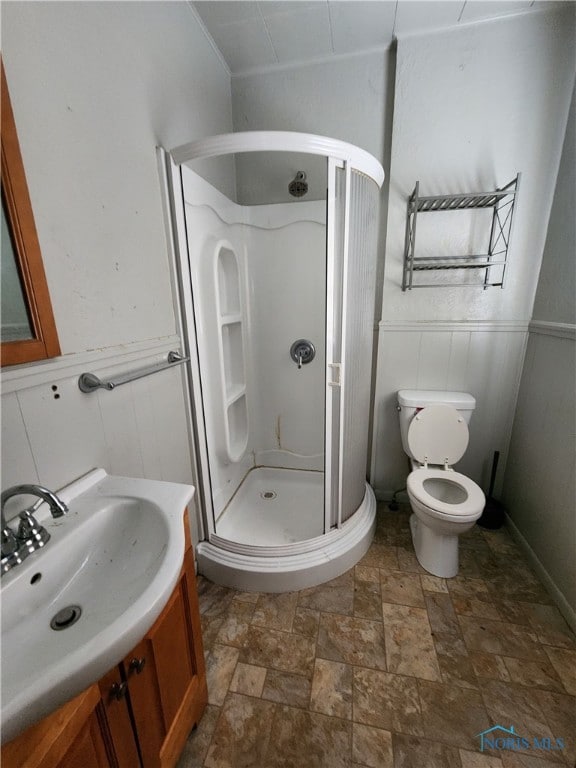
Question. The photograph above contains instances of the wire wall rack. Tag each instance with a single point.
(491, 266)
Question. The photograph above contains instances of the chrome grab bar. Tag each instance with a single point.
(89, 382)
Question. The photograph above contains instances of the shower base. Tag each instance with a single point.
(276, 544)
(274, 507)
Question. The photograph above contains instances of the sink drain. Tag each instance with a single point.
(66, 617)
(268, 495)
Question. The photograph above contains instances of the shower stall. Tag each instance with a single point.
(275, 236)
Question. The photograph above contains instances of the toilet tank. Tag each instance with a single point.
(412, 400)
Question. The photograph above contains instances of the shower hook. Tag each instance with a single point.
(302, 352)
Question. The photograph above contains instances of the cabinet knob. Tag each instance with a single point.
(137, 665)
(119, 690)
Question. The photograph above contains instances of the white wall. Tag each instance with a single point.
(95, 87)
(473, 106)
(540, 486)
(555, 296)
(52, 433)
(345, 98)
(484, 359)
(349, 98)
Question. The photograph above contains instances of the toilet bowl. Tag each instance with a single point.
(445, 503)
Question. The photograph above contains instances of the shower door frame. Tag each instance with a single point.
(340, 157)
(336, 265)
(187, 325)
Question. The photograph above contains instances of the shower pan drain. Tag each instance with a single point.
(268, 495)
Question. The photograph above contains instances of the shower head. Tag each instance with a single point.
(298, 186)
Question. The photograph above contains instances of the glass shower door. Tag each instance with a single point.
(358, 297)
(351, 269)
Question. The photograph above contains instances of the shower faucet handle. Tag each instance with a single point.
(302, 352)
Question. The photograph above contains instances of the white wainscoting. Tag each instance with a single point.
(482, 358)
(540, 489)
(52, 432)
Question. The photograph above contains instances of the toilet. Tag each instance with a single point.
(445, 503)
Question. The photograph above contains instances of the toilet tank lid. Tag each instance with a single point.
(420, 398)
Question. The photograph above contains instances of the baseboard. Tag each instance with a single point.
(563, 605)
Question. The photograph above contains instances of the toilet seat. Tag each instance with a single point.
(447, 483)
(438, 434)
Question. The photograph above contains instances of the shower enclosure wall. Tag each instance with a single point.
(278, 299)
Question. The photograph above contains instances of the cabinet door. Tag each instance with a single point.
(117, 723)
(88, 749)
(73, 736)
(145, 702)
(166, 676)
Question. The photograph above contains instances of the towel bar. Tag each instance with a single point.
(89, 382)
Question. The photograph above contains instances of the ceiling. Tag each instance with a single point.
(266, 35)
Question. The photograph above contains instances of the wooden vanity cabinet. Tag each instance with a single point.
(116, 723)
(166, 678)
(71, 737)
(141, 712)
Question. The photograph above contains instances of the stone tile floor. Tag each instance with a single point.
(388, 666)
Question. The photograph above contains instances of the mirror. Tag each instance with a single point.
(15, 322)
(28, 331)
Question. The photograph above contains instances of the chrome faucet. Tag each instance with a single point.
(30, 535)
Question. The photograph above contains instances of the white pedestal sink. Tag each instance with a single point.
(117, 555)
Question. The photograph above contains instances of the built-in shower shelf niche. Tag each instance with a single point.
(231, 351)
(237, 420)
(228, 281)
(235, 394)
(234, 317)
(489, 268)
(232, 356)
